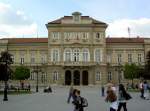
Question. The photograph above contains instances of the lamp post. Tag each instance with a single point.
(119, 69)
(37, 70)
(6, 85)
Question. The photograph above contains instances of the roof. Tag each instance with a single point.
(45, 40)
(124, 40)
(26, 40)
(58, 21)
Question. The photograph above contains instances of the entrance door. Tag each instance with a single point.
(85, 77)
(68, 77)
(76, 77)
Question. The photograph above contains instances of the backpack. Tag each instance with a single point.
(84, 102)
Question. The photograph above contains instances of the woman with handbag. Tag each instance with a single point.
(122, 98)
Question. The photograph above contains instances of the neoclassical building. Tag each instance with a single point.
(76, 52)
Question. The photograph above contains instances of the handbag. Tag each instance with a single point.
(128, 96)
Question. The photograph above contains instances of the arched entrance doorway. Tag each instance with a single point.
(68, 77)
(85, 78)
(76, 77)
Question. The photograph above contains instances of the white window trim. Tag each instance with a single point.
(98, 76)
(53, 57)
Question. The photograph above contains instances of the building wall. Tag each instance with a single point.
(83, 34)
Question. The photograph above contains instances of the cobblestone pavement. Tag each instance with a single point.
(57, 101)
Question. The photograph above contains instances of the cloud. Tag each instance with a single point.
(138, 27)
(15, 22)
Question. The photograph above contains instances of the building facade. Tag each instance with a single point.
(76, 52)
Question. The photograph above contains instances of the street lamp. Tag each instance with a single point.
(37, 70)
(119, 69)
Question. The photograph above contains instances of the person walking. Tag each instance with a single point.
(141, 87)
(146, 91)
(103, 91)
(70, 94)
(122, 98)
(112, 98)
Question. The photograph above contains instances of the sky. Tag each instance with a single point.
(27, 18)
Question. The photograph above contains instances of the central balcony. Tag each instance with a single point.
(77, 63)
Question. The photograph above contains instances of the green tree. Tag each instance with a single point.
(21, 73)
(146, 74)
(131, 71)
(5, 70)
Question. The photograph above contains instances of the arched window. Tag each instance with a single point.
(85, 55)
(55, 55)
(55, 76)
(76, 54)
(67, 55)
(98, 55)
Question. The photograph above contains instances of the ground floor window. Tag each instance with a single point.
(109, 76)
(98, 76)
(55, 76)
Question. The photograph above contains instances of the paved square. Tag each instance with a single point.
(57, 101)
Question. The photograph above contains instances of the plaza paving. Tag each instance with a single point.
(57, 101)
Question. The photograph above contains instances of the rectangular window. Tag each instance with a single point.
(98, 57)
(13, 59)
(119, 58)
(32, 60)
(109, 58)
(55, 55)
(43, 60)
(98, 76)
(55, 35)
(130, 58)
(109, 76)
(139, 58)
(22, 60)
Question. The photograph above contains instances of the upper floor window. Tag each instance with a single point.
(98, 55)
(130, 58)
(109, 76)
(97, 35)
(55, 55)
(85, 35)
(22, 60)
(119, 58)
(98, 76)
(32, 60)
(55, 35)
(76, 54)
(108, 58)
(85, 55)
(68, 55)
(139, 58)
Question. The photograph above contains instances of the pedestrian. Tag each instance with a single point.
(112, 98)
(146, 91)
(103, 91)
(123, 96)
(79, 102)
(141, 89)
(70, 94)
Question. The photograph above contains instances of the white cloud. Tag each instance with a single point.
(138, 27)
(15, 23)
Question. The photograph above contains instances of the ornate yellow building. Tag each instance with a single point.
(76, 52)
